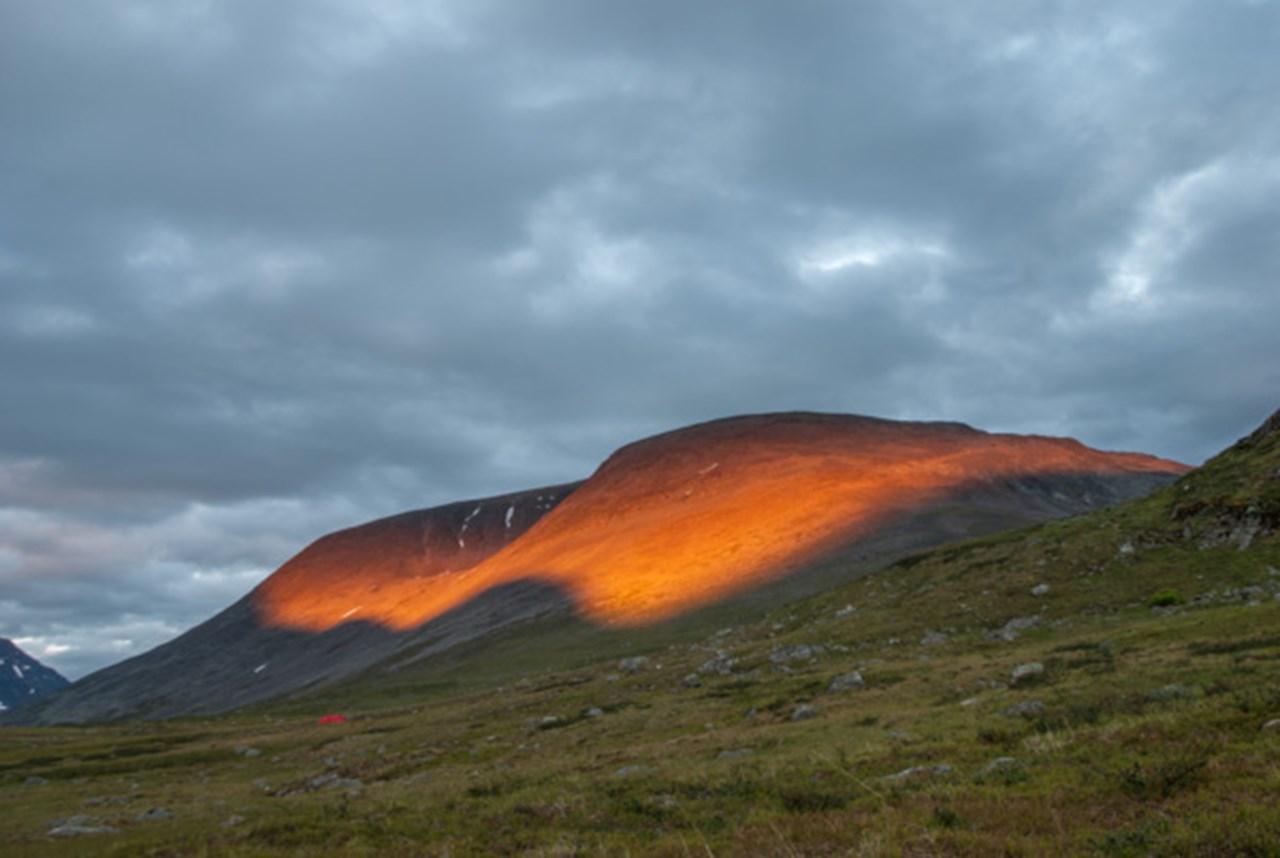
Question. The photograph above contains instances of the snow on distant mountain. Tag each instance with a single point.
(22, 678)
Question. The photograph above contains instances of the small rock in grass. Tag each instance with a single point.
(34, 780)
(735, 753)
(800, 652)
(1026, 709)
(632, 770)
(1001, 763)
(691, 681)
(155, 814)
(846, 682)
(633, 665)
(1040, 590)
(917, 771)
(1024, 672)
(77, 826)
(932, 638)
(1010, 630)
(721, 665)
(804, 712)
(1273, 724)
(346, 783)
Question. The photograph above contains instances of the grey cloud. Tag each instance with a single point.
(82, 586)
(271, 269)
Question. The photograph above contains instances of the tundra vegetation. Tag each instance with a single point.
(1106, 684)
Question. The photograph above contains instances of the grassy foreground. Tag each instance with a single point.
(1144, 719)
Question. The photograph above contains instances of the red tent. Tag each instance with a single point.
(332, 719)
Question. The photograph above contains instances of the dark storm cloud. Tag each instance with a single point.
(271, 269)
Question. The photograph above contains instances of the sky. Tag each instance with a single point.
(269, 269)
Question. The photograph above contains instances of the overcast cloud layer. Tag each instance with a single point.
(271, 269)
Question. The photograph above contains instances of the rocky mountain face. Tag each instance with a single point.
(23, 679)
(665, 526)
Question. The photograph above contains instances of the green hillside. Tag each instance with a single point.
(1106, 684)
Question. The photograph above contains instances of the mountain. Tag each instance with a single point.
(711, 515)
(23, 679)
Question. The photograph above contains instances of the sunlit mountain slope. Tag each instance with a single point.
(677, 521)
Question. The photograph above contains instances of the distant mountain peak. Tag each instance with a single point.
(23, 678)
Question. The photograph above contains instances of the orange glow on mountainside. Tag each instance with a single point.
(668, 524)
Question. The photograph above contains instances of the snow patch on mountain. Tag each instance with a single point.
(26, 679)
